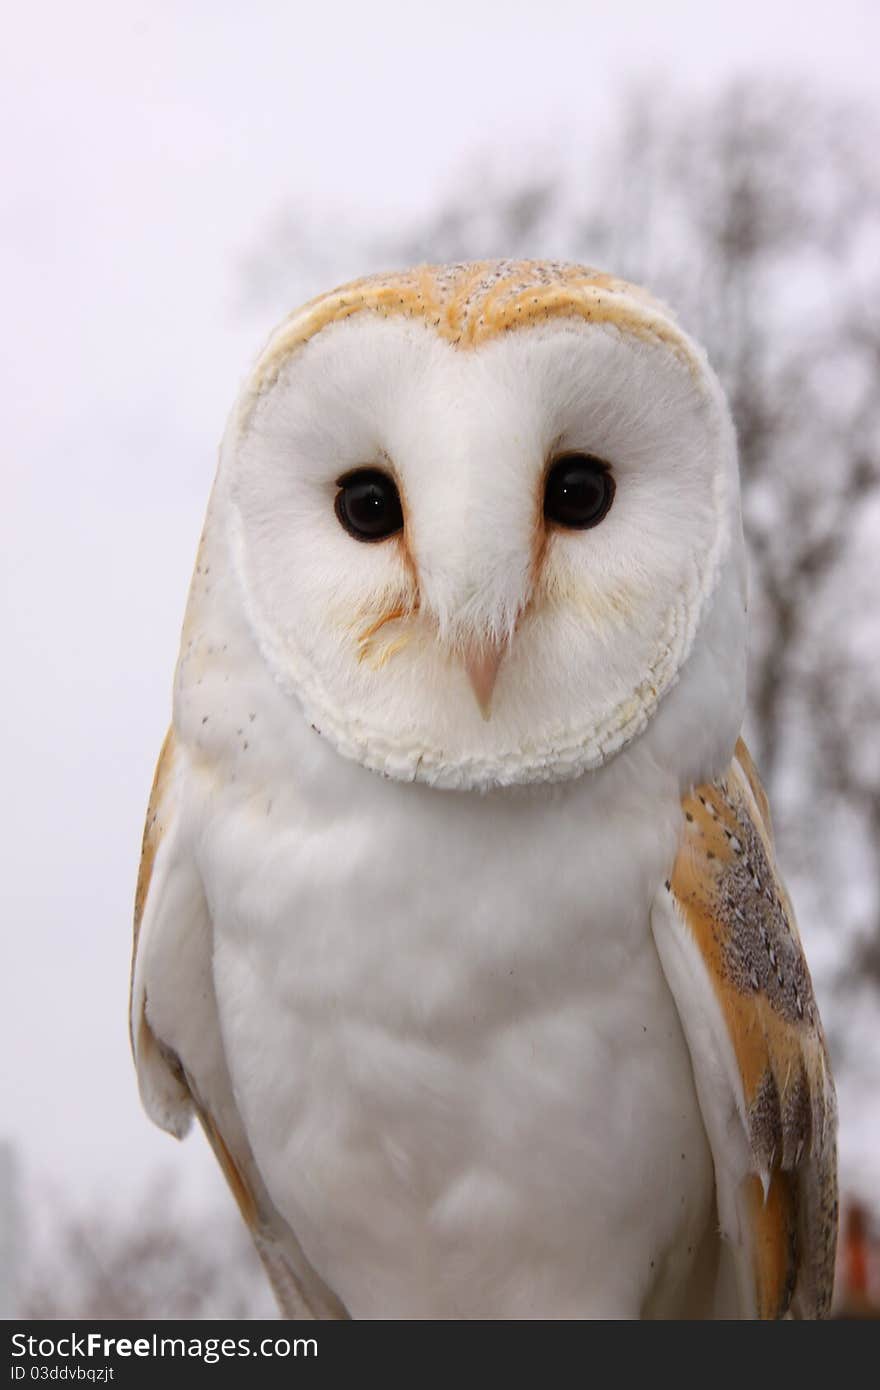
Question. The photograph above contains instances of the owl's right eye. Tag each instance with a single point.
(368, 505)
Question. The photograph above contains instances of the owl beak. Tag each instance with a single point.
(481, 664)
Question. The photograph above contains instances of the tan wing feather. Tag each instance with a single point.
(154, 829)
(728, 890)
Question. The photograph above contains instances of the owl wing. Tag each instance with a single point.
(727, 938)
(176, 1038)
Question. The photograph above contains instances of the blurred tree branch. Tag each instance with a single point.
(151, 1262)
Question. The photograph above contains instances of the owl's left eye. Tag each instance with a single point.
(368, 505)
(578, 492)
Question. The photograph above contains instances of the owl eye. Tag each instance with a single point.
(579, 491)
(368, 505)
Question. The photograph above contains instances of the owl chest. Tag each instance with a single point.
(453, 1039)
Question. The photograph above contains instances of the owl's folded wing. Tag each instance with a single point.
(729, 945)
(158, 921)
(176, 1038)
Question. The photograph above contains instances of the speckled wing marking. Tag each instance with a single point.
(174, 1083)
(471, 303)
(728, 895)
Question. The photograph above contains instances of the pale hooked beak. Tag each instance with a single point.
(481, 664)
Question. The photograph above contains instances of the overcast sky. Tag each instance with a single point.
(148, 149)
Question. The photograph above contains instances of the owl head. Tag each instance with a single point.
(477, 516)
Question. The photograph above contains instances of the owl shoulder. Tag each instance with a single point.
(728, 940)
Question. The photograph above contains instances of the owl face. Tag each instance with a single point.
(477, 515)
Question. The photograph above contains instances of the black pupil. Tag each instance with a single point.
(368, 505)
(579, 491)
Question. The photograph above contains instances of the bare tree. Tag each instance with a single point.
(153, 1261)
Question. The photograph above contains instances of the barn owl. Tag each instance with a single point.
(458, 923)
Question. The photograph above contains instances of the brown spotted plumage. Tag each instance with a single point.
(469, 304)
(727, 888)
